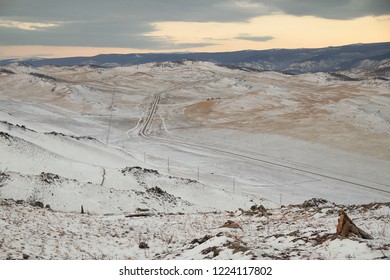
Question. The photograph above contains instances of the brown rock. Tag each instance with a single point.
(143, 245)
(346, 228)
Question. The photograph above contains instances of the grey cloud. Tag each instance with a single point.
(331, 9)
(186, 10)
(144, 10)
(90, 33)
(86, 34)
(123, 23)
(255, 38)
(115, 23)
(82, 37)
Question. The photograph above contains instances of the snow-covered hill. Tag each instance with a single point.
(186, 145)
(293, 61)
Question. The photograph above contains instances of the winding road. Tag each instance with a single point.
(279, 163)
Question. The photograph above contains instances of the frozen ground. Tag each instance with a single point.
(174, 142)
(305, 231)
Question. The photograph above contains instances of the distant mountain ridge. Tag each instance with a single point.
(294, 61)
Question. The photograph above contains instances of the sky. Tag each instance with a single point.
(63, 28)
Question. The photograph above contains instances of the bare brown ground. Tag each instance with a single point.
(311, 119)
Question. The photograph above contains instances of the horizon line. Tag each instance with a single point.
(184, 52)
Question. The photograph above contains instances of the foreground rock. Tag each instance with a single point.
(347, 228)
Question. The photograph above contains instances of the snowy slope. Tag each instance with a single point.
(304, 231)
(67, 172)
(302, 60)
(180, 144)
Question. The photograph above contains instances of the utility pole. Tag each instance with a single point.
(198, 173)
(111, 108)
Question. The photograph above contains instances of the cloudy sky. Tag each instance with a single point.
(60, 28)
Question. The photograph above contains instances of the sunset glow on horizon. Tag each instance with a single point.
(215, 26)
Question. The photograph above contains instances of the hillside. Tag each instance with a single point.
(305, 231)
(371, 58)
(187, 145)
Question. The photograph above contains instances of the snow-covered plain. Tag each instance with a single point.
(183, 146)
